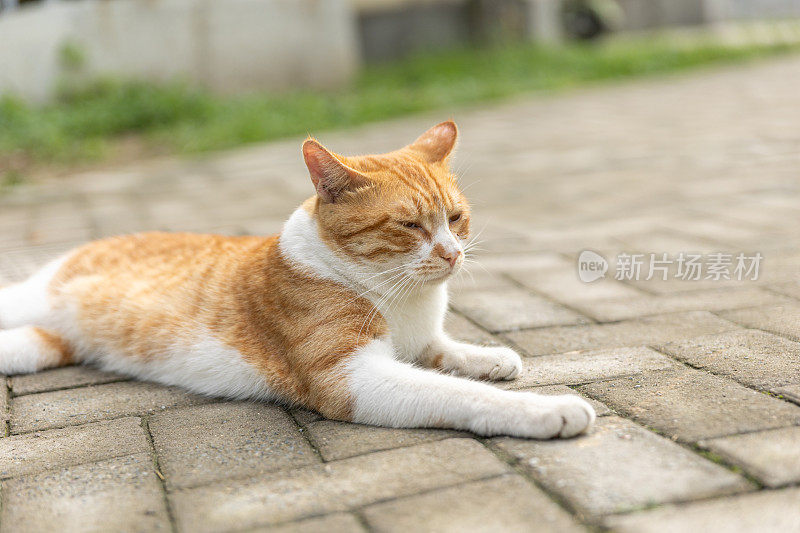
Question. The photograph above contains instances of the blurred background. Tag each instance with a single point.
(88, 81)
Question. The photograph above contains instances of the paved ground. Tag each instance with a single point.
(697, 382)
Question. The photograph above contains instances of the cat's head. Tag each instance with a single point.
(401, 210)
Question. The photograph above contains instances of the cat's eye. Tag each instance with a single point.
(411, 225)
(455, 218)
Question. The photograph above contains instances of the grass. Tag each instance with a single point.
(86, 123)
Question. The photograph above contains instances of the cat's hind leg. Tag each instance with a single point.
(387, 392)
(27, 349)
(25, 345)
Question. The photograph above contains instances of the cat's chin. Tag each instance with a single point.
(440, 278)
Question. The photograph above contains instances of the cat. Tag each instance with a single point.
(341, 313)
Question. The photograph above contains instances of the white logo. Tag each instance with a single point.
(591, 266)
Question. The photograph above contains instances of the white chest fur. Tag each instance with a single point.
(414, 319)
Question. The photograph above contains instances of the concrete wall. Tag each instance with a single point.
(752, 9)
(230, 46)
(642, 14)
(392, 29)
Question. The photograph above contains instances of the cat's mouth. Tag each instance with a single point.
(436, 277)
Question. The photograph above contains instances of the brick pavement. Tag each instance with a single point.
(697, 382)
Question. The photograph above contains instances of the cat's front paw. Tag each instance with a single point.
(492, 362)
(548, 417)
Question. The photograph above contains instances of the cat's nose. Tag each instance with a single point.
(451, 256)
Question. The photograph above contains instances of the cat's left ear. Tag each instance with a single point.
(331, 177)
(437, 143)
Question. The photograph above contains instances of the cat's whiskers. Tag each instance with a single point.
(382, 283)
(474, 239)
(478, 264)
(392, 278)
(472, 243)
(465, 270)
(359, 271)
(400, 295)
(411, 289)
(474, 249)
(468, 185)
(382, 273)
(376, 307)
(463, 168)
(386, 295)
(344, 305)
(469, 248)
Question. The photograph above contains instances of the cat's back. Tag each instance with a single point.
(137, 294)
(152, 273)
(158, 256)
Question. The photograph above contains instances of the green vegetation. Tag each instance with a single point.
(9, 178)
(87, 121)
(71, 57)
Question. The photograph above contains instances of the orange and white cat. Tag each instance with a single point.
(339, 313)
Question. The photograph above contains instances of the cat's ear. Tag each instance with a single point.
(437, 143)
(330, 176)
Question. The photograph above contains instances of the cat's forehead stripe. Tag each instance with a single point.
(431, 187)
(426, 183)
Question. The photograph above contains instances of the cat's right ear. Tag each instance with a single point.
(330, 176)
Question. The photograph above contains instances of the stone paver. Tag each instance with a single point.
(512, 503)
(790, 392)
(336, 486)
(612, 309)
(581, 367)
(479, 278)
(755, 358)
(705, 161)
(88, 404)
(61, 378)
(511, 263)
(121, 494)
(57, 448)
(643, 331)
(207, 443)
(772, 457)
(620, 466)
(690, 405)
(677, 286)
(764, 511)
(789, 288)
(339, 440)
(332, 523)
(304, 416)
(4, 413)
(781, 320)
(460, 328)
(509, 309)
(562, 285)
(555, 390)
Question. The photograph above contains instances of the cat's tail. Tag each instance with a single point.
(16, 305)
(28, 303)
(7, 297)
